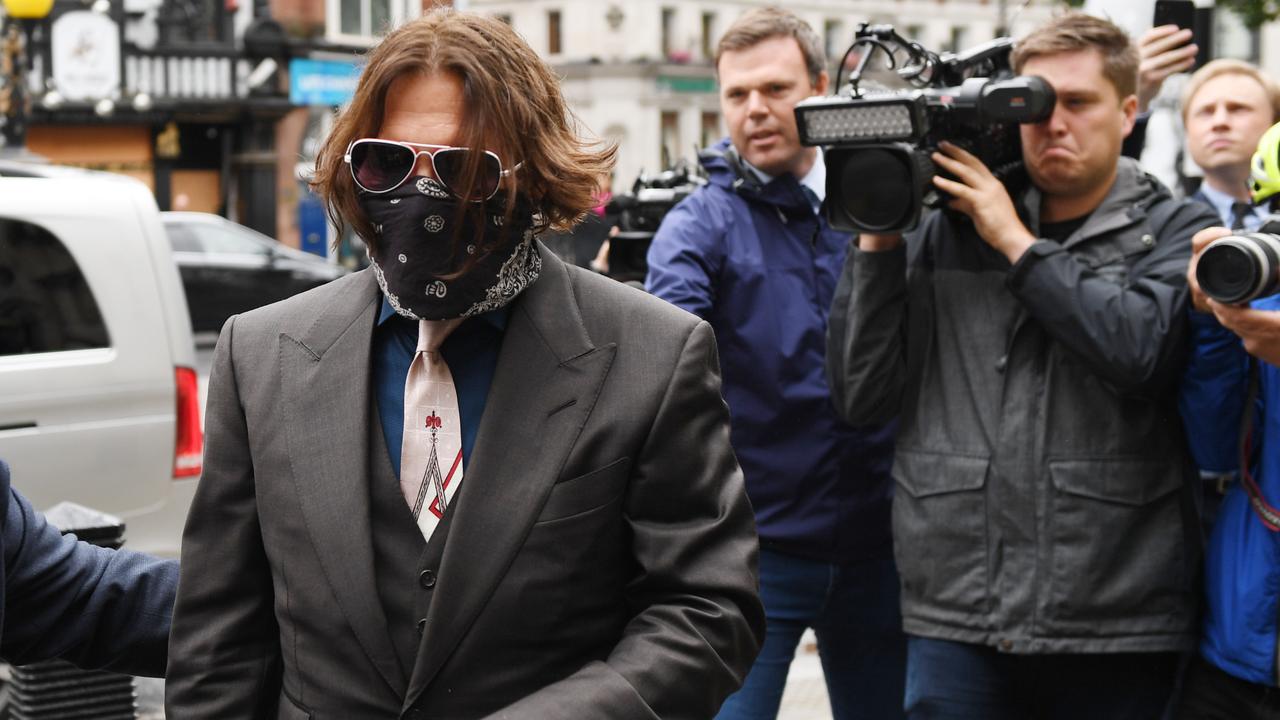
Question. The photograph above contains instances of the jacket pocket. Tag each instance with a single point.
(940, 533)
(286, 710)
(1116, 547)
(586, 492)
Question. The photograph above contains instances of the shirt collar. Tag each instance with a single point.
(815, 179)
(497, 318)
(1221, 202)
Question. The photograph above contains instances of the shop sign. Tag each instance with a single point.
(680, 84)
(322, 82)
(86, 56)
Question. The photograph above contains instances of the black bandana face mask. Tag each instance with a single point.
(416, 226)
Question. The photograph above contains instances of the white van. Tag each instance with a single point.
(98, 391)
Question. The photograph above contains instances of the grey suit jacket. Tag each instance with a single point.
(601, 562)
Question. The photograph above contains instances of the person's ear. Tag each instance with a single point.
(820, 87)
(1129, 106)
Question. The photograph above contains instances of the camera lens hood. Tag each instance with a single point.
(1240, 268)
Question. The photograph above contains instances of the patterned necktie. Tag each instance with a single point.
(431, 454)
(1240, 211)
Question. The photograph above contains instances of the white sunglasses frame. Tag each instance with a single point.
(430, 152)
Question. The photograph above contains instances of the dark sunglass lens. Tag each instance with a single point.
(381, 166)
(452, 165)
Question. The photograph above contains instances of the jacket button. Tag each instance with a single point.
(1148, 241)
(1002, 363)
(422, 626)
(427, 579)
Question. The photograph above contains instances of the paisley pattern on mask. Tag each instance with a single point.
(415, 228)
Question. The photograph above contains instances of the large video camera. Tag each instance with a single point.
(878, 138)
(640, 213)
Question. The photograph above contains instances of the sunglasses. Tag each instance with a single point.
(380, 166)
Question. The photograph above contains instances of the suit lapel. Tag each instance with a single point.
(547, 380)
(325, 374)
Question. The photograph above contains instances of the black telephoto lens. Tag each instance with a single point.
(1240, 268)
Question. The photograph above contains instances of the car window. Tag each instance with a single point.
(45, 303)
(218, 239)
(182, 239)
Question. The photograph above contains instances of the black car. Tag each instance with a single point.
(228, 268)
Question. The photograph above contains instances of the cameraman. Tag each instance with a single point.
(1234, 675)
(1044, 522)
(750, 253)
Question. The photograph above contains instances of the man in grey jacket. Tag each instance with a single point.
(1044, 521)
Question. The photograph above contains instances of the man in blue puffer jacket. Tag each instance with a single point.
(751, 254)
(1234, 677)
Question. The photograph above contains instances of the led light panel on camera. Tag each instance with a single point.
(858, 121)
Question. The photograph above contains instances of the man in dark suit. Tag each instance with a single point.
(90, 606)
(577, 542)
(1226, 107)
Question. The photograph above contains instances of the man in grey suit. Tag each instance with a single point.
(595, 557)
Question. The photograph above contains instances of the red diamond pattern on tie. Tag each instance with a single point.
(431, 454)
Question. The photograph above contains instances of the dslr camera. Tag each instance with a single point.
(879, 130)
(1244, 267)
(1240, 268)
(639, 214)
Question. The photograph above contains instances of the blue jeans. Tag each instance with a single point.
(853, 610)
(958, 681)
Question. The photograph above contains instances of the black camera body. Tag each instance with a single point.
(878, 141)
(1240, 268)
(639, 213)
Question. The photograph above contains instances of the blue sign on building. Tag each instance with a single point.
(322, 82)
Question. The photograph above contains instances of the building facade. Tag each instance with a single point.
(640, 72)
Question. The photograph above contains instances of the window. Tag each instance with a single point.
(45, 303)
(915, 32)
(200, 237)
(365, 17)
(958, 40)
(504, 17)
(833, 38)
(182, 239)
(670, 138)
(368, 19)
(553, 32)
(226, 241)
(668, 31)
(710, 129)
(708, 36)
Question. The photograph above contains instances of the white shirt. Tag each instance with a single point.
(1222, 202)
(815, 179)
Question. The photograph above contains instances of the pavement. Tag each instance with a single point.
(805, 697)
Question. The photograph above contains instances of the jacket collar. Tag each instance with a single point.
(726, 169)
(1131, 195)
(324, 375)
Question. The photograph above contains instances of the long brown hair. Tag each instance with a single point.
(513, 104)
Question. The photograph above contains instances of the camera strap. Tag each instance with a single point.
(1267, 514)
